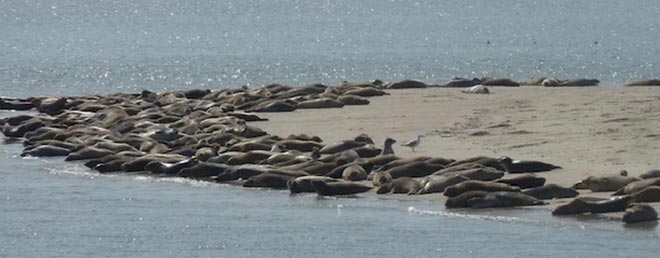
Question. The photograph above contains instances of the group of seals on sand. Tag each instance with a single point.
(630, 195)
(209, 135)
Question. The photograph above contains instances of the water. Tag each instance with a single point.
(80, 47)
(50, 208)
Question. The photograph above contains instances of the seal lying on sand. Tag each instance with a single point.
(503, 199)
(605, 183)
(404, 185)
(579, 205)
(339, 188)
(524, 181)
(472, 185)
(649, 194)
(304, 183)
(551, 191)
(638, 212)
(522, 166)
(638, 186)
(438, 184)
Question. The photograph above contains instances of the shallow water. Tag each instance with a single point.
(83, 47)
(54, 209)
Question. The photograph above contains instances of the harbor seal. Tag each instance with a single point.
(524, 181)
(605, 183)
(438, 184)
(651, 82)
(476, 89)
(551, 191)
(387, 147)
(637, 186)
(503, 199)
(88, 153)
(381, 178)
(303, 184)
(580, 205)
(461, 200)
(523, 166)
(472, 185)
(638, 212)
(649, 194)
(187, 168)
(268, 180)
(499, 82)
(354, 172)
(46, 151)
(340, 146)
(339, 188)
(401, 185)
(481, 174)
(414, 169)
(579, 83)
(653, 173)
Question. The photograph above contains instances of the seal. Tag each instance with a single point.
(461, 200)
(341, 146)
(46, 151)
(387, 147)
(579, 83)
(523, 166)
(551, 191)
(438, 184)
(638, 212)
(88, 153)
(299, 145)
(414, 169)
(503, 199)
(472, 185)
(351, 100)
(580, 205)
(651, 82)
(320, 103)
(653, 173)
(339, 188)
(550, 82)
(605, 183)
(500, 82)
(190, 168)
(462, 83)
(268, 180)
(637, 186)
(476, 89)
(400, 162)
(524, 181)
(481, 174)
(482, 160)
(250, 157)
(406, 84)
(649, 194)
(158, 167)
(381, 178)
(303, 184)
(401, 185)
(354, 172)
(381, 160)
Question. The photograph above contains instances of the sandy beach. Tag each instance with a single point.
(587, 131)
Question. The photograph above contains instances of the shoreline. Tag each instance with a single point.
(587, 131)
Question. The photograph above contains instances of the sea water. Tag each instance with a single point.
(99, 46)
(49, 208)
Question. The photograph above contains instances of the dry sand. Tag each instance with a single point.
(587, 131)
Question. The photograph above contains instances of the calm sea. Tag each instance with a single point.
(49, 208)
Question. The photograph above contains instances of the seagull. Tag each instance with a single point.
(387, 149)
(414, 143)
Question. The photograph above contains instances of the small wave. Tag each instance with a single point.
(507, 219)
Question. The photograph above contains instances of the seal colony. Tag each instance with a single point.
(208, 135)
